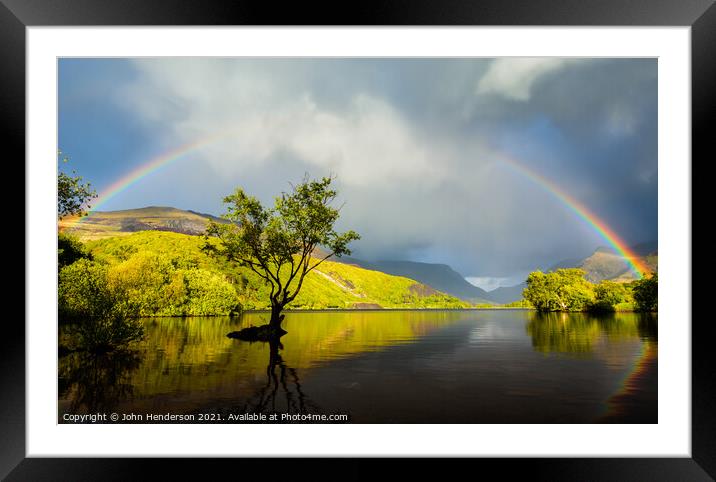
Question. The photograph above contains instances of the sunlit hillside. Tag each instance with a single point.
(331, 285)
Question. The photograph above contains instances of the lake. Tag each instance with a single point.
(412, 366)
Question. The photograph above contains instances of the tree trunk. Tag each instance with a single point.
(268, 332)
(276, 316)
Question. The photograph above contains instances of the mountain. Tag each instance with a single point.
(605, 264)
(507, 294)
(602, 264)
(104, 224)
(566, 263)
(440, 276)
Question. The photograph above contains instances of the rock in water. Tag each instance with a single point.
(257, 333)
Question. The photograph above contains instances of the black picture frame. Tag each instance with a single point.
(700, 15)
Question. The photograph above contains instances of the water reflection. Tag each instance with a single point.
(96, 382)
(188, 365)
(577, 334)
(282, 392)
(383, 367)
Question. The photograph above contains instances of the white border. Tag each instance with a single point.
(670, 437)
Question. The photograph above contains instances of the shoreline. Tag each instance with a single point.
(377, 310)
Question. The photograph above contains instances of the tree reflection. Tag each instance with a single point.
(648, 326)
(576, 333)
(96, 382)
(282, 392)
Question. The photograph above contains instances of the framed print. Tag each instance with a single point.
(416, 232)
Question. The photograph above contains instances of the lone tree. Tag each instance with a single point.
(279, 243)
(72, 194)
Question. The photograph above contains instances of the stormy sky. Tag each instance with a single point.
(416, 146)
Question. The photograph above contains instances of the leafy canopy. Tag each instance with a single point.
(646, 293)
(568, 290)
(278, 244)
(104, 318)
(560, 290)
(72, 194)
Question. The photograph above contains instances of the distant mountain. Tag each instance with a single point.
(606, 264)
(507, 294)
(105, 224)
(603, 264)
(566, 263)
(440, 276)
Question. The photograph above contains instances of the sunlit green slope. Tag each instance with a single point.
(331, 285)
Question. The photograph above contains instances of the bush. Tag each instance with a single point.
(159, 285)
(646, 293)
(104, 318)
(607, 295)
(197, 292)
(560, 290)
(69, 250)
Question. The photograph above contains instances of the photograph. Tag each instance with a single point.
(357, 240)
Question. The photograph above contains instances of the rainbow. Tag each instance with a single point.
(153, 165)
(636, 265)
(148, 168)
(645, 364)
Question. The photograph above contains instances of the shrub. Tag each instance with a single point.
(198, 292)
(158, 287)
(560, 290)
(646, 293)
(607, 295)
(69, 250)
(104, 318)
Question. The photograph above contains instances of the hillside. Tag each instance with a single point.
(331, 285)
(105, 224)
(110, 224)
(602, 264)
(440, 276)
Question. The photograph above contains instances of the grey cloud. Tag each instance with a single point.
(415, 145)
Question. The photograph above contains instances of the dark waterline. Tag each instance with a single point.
(423, 366)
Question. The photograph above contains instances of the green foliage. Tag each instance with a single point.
(166, 283)
(518, 304)
(72, 194)
(198, 292)
(568, 290)
(105, 319)
(331, 285)
(646, 293)
(560, 290)
(608, 296)
(69, 250)
(278, 243)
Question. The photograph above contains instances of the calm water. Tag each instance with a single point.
(382, 367)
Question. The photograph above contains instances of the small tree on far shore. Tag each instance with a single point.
(279, 243)
(73, 195)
